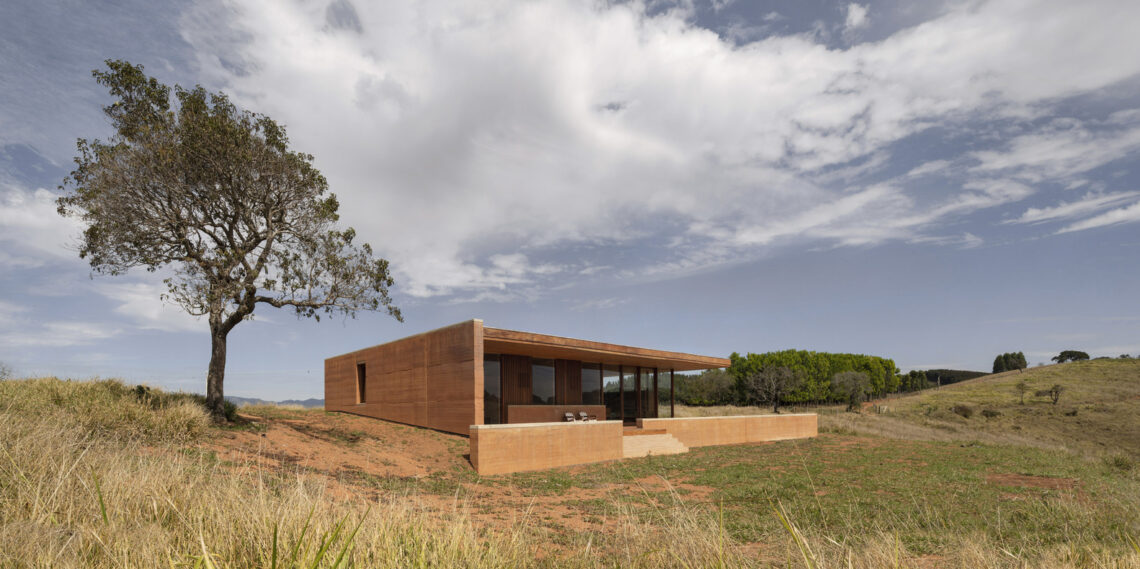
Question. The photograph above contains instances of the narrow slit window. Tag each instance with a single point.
(361, 383)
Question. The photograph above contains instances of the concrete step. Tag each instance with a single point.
(651, 444)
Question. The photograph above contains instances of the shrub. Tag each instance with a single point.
(964, 411)
(1121, 462)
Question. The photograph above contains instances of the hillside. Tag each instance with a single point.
(101, 474)
(1096, 413)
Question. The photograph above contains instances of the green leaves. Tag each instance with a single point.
(213, 194)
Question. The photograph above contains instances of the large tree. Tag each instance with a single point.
(213, 196)
(770, 384)
(1070, 356)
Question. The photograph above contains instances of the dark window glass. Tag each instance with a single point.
(492, 389)
(611, 392)
(542, 380)
(629, 389)
(648, 394)
(591, 384)
(665, 393)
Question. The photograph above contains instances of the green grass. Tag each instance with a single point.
(926, 488)
(1096, 415)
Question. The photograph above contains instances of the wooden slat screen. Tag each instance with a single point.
(568, 381)
(517, 389)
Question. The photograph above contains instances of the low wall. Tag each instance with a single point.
(500, 449)
(708, 431)
(550, 413)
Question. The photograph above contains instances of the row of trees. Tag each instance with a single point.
(794, 376)
(816, 370)
(1009, 362)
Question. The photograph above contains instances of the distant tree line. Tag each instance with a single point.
(799, 376)
(1009, 362)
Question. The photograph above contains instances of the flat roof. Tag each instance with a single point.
(500, 341)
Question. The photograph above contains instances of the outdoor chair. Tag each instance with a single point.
(583, 416)
(569, 417)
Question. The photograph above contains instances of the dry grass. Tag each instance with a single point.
(1096, 414)
(95, 474)
(92, 475)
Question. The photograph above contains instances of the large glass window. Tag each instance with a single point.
(611, 392)
(629, 392)
(648, 393)
(591, 384)
(492, 389)
(665, 393)
(542, 380)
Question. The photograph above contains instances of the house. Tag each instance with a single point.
(530, 401)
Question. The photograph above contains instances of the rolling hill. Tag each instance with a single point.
(1094, 415)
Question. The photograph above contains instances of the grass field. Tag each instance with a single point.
(93, 475)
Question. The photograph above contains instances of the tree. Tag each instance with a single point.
(1070, 356)
(852, 386)
(1010, 361)
(5, 371)
(213, 196)
(712, 387)
(1021, 388)
(1055, 392)
(770, 384)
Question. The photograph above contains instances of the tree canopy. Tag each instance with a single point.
(213, 196)
(816, 370)
(1070, 356)
(1009, 362)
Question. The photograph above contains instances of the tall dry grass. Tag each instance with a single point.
(100, 475)
(97, 474)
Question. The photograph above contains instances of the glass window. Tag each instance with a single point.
(629, 392)
(611, 392)
(591, 384)
(648, 394)
(492, 389)
(542, 380)
(665, 393)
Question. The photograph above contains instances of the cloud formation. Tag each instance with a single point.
(461, 134)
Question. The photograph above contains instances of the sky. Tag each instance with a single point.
(933, 182)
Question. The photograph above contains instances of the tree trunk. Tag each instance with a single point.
(776, 404)
(215, 397)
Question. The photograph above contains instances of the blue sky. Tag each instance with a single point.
(932, 182)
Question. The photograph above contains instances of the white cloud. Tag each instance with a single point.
(31, 232)
(458, 134)
(57, 334)
(141, 302)
(856, 16)
(1129, 214)
(1088, 204)
(1065, 149)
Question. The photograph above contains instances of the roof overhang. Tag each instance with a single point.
(500, 341)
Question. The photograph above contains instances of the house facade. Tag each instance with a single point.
(467, 374)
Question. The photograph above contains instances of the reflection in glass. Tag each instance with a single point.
(648, 394)
(629, 392)
(542, 378)
(611, 392)
(492, 389)
(665, 393)
(591, 384)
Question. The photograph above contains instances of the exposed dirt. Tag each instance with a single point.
(331, 443)
(364, 457)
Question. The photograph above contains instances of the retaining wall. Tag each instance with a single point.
(707, 431)
(499, 449)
